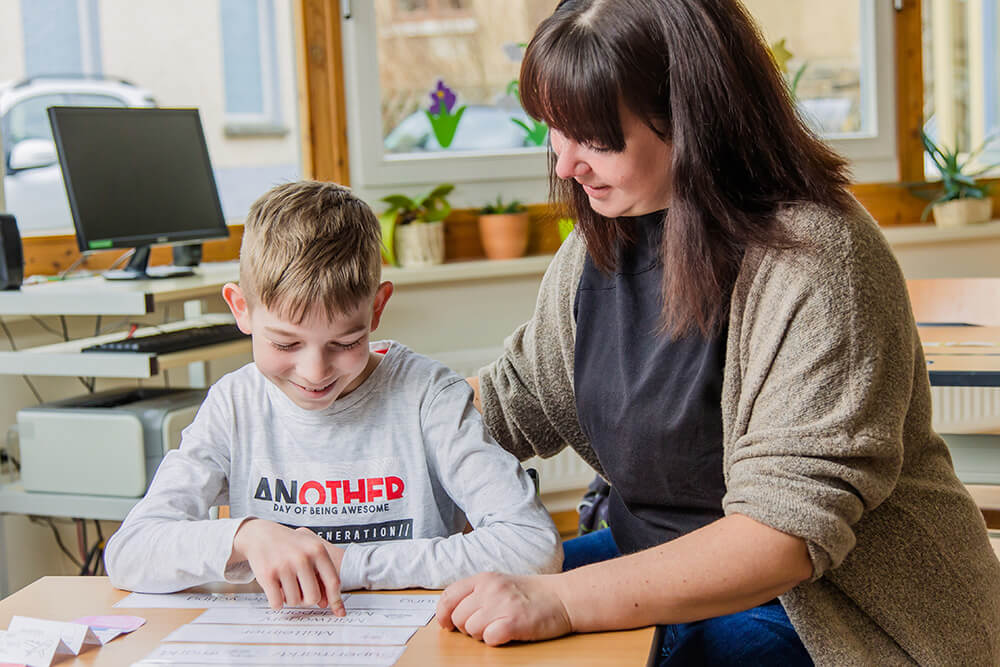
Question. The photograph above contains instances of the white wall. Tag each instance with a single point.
(12, 53)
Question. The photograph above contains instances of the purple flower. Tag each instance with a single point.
(442, 99)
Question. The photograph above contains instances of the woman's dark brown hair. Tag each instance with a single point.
(697, 72)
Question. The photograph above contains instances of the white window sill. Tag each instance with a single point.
(464, 270)
(915, 235)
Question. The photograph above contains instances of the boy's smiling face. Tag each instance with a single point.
(318, 360)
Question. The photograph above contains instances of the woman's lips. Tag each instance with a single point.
(597, 192)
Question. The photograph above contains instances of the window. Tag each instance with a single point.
(462, 48)
(249, 60)
(223, 57)
(61, 37)
(846, 90)
(962, 76)
(842, 53)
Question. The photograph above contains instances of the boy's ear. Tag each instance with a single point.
(237, 303)
(381, 298)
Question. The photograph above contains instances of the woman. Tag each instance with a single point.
(727, 340)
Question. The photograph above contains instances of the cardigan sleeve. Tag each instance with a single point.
(826, 355)
(527, 394)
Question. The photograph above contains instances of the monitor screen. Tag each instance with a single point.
(136, 176)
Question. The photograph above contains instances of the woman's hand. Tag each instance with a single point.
(295, 567)
(500, 608)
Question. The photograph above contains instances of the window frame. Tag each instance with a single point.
(519, 173)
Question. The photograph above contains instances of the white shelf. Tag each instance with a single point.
(15, 500)
(97, 296)
(65, 359)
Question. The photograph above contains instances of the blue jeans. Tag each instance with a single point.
(759, 636)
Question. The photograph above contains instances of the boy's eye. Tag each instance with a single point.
(348, 346)
(282, 348)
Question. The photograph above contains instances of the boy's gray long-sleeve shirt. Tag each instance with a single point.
(390, 471)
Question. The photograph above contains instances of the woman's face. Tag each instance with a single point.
(632, 182)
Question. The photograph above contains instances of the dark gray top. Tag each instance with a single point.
(650, 404)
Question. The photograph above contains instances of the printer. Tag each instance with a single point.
(108, 443)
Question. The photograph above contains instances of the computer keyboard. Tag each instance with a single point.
(172, 341)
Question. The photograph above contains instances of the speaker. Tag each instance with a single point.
(187, 255)
(11, 254)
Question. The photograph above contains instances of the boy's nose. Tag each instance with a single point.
(317, 370)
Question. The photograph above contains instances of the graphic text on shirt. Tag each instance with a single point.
(284, 493)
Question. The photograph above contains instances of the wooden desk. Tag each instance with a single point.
(66, 598)
(962, 356)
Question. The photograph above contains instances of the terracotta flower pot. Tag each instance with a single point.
(962, 212)
(504, 235)
(420, 244)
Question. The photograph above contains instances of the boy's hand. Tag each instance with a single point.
(499, 608)
(295, 567)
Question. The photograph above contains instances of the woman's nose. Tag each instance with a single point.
(568, 162)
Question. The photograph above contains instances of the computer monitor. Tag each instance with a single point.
(137, 177)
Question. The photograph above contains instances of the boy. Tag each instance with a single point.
(346, 464)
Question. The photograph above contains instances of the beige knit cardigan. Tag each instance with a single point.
(827, 436)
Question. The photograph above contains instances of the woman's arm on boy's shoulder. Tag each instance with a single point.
(512, 532)
(526, 396)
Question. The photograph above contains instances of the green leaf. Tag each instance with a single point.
(399, 203)
(445, 125)
(440, 192)
(387, 221)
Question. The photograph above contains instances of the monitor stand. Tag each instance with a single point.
(138, 268)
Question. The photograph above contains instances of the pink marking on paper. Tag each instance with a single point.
(112, 622)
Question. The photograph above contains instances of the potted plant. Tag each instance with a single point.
(961, 200)
(412, 228)
(503, 229)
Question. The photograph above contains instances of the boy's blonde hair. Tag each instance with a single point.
(308, 244)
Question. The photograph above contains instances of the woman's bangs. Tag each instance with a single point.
(572, 89)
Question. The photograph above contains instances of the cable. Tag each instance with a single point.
(65, 330)
(125, 255)
(13, 348)
(45, 326)
(79, 260)
(55, 533)
(81, 538)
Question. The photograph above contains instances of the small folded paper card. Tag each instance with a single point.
(35, 642)
(73, 636)
(32, 647)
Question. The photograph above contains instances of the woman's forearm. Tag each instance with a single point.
(730, 565)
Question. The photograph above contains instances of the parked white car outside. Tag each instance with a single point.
(33, 184)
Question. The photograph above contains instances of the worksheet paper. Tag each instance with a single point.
(393, 602)
(283, 634)
(234, 654)
(312, 617)
(192, 600)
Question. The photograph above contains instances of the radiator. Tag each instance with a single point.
(966, 409)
